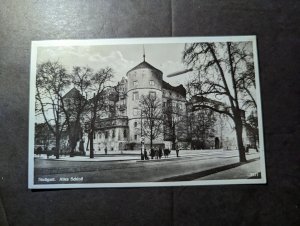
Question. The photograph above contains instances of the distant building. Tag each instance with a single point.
(222, 133)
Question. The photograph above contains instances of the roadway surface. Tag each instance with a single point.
(191, 165)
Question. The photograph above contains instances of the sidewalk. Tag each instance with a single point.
(102, 158)
(247, 170)
(235, 170)
(135, 155)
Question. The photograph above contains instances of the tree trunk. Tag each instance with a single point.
(91, 134)
(57, 146)
(239, 136)
(72, 145)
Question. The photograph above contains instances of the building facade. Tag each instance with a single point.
(123, 125)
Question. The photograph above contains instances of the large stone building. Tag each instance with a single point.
(123, 126)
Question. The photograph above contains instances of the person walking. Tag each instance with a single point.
(177, 150)
(145, 155)
(159, 153)
(152, 153)
(156, 153)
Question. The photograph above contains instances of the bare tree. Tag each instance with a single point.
(174, 122)
(252, 129)
(74, 104)
(100, 83)
(51, 81)
(152, 115)
(219, 67)
(246, 86)
(202, 127)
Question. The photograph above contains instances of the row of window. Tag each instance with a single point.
(135, 95)
(170, 94)
(173, 104)
(107, 133)
(137, 112)
(113, 134)
(136, 83)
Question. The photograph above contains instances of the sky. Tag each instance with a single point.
(165, 57)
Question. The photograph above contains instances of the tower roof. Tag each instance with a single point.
(73, 93)
(143, 65)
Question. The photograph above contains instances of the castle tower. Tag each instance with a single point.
(143, 79)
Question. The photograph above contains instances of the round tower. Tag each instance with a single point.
(143, 80)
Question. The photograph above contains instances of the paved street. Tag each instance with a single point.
(191, 165)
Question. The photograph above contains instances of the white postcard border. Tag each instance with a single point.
(122, 41)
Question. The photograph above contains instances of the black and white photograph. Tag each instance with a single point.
(145, 112)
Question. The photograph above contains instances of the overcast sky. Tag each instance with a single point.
(165, 57)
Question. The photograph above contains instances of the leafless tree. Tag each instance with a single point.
(202, 126)
(75, 105)
(152, 115)
(97, 105)
(51, 81)
(252, 129)
(175, 125)
(219, 67)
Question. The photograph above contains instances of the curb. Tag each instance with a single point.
(193, 176)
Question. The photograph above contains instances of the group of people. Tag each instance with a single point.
(157, 153)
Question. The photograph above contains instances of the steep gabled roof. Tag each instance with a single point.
(144, 64)
(73, 93)
(179, 89)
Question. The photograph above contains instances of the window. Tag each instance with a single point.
(106, 134)
(135, 137)
(152, 94)
(135, 96)
(151, 82)
(113, 133)
(135, 111)
(124, 133)
(135, 83)
(135, 124)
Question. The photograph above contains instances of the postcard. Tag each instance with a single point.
(140, 112)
